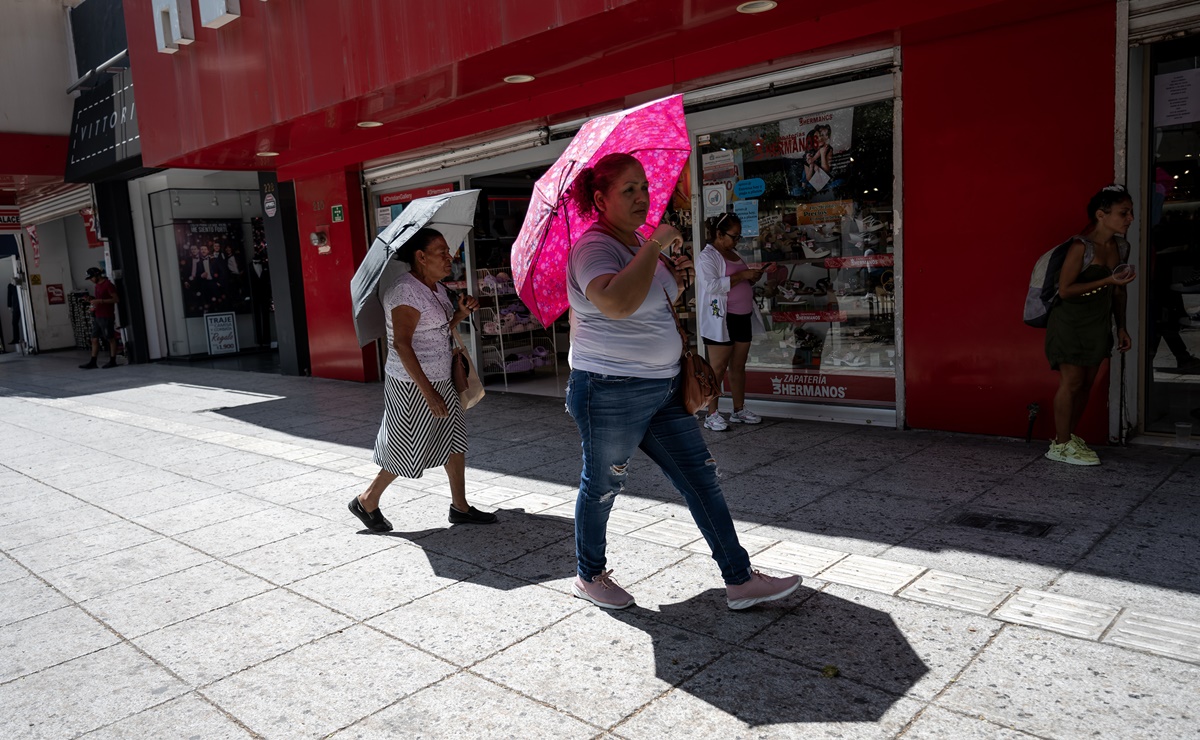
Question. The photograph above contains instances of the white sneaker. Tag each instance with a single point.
(867, 224)
(745, 416)
(715, 422)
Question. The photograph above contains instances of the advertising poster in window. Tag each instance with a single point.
(813, 197)
(212, 270)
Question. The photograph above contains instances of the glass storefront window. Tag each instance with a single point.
(814, 195)
(1172, 282)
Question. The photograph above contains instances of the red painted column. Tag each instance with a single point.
(333, 347)
(1007, 133)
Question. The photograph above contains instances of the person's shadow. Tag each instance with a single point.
(828, 660)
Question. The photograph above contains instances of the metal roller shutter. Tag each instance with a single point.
(1155, 20)
(64, 201)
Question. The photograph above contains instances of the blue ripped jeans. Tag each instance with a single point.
(616, 415)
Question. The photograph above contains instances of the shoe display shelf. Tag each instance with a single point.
(512, 340)
(79, 307)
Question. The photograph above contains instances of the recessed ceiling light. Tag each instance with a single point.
(369, 124)
(518, 79)
(268, 154)
(757, 6)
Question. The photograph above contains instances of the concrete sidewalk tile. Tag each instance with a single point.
(669, 532)
(10, 570)
(565, 511)
(515, 534)
(791, 557)
(622, 521)
(1168, 512)
(37, 502)
(156, 603)
(936, 723)
(1174, 638)
(35, 530)
(563, 488)
(305, 485)
(1177, 596)
(163, 497)
(467, 706)
(902, 648)
(836, 539)
(87, 544)
(873, 574)
(747, 694)
(623, 661)
(1022, 561)
(867, 511)
(957, 592)
(1057, 686)
(751, 543)
(630, 560)
(196, 514)
(495, 495)
(218, 643)
(250, 531)
(380, 582)
(533, 503)
(309, 553)
(335, 506)
(48, 639)
(491, 612)
(1066, 614)
(27, 597)
(67, 700)
(272, 471)
(324, 685)
(123, 568)
(185, 717)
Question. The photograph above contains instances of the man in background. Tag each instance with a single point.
(104, 313)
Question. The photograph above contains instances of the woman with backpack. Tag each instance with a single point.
(1091, 291)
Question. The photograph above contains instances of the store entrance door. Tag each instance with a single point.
(516, 351)
(1172, 282)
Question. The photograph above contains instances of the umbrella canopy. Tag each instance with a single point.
(655, 133)
(453, 214)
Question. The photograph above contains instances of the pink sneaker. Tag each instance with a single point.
(761, 587)
(603, 591)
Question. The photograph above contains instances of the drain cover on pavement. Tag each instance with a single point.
(1004, 524)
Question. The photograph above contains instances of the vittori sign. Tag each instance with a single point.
(174, 26)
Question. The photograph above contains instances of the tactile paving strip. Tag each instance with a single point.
(1177, 638)
(872, 574)
(1065, 614)
(799, 559)
(957, 592)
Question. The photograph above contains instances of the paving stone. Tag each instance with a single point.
(669, 532)
(41, 641)
(123, 568)
(747, 694)
(193, 515)
(938, 724)
(380, 582)
(492, 496)
(32, 531)
(624, 661)
(804, 560)
(309, 553)
(487, 546)
(873, 574)
(27, 597)
(163, 497)
(621, 521)
(1179, 599)
(90, 543)
(272, 471)
(185, 717)
(871, 511)
(327, 684)
(1007, 558)
(533, 503)
(36, 502)
(631, 561)
(957, 592)
(303, 486)
(1052, 685)
(750, 543)
(832, 538)
(218, 643)
(10, 570)
(1071, 616)
(250, 531)
(67, 700)
(172, 598)
(492, 612)
(1174, 638)
(492, 712)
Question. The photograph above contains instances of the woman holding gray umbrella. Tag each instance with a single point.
(423, 424)
(624, 389)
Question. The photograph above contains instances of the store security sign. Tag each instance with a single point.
(174, 17)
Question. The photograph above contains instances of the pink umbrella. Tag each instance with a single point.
(655, 133)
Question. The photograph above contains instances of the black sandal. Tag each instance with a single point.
(372, 520)
(471, 516)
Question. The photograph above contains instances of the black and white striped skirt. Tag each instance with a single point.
(411, 439)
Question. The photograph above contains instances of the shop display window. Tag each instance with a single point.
(814, 196)
(1171, 282)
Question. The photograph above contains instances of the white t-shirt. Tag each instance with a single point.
(643, 345)
(431, 340)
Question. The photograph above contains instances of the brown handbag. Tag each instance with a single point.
(699, 386)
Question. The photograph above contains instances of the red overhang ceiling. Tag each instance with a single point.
(298, 77)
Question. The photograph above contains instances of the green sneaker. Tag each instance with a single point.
(1069, 454)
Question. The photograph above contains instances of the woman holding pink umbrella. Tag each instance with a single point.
(624, 389)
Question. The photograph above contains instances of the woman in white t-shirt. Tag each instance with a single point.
(624, 389)
(423, 423)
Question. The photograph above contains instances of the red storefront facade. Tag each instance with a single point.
(1004, 120)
